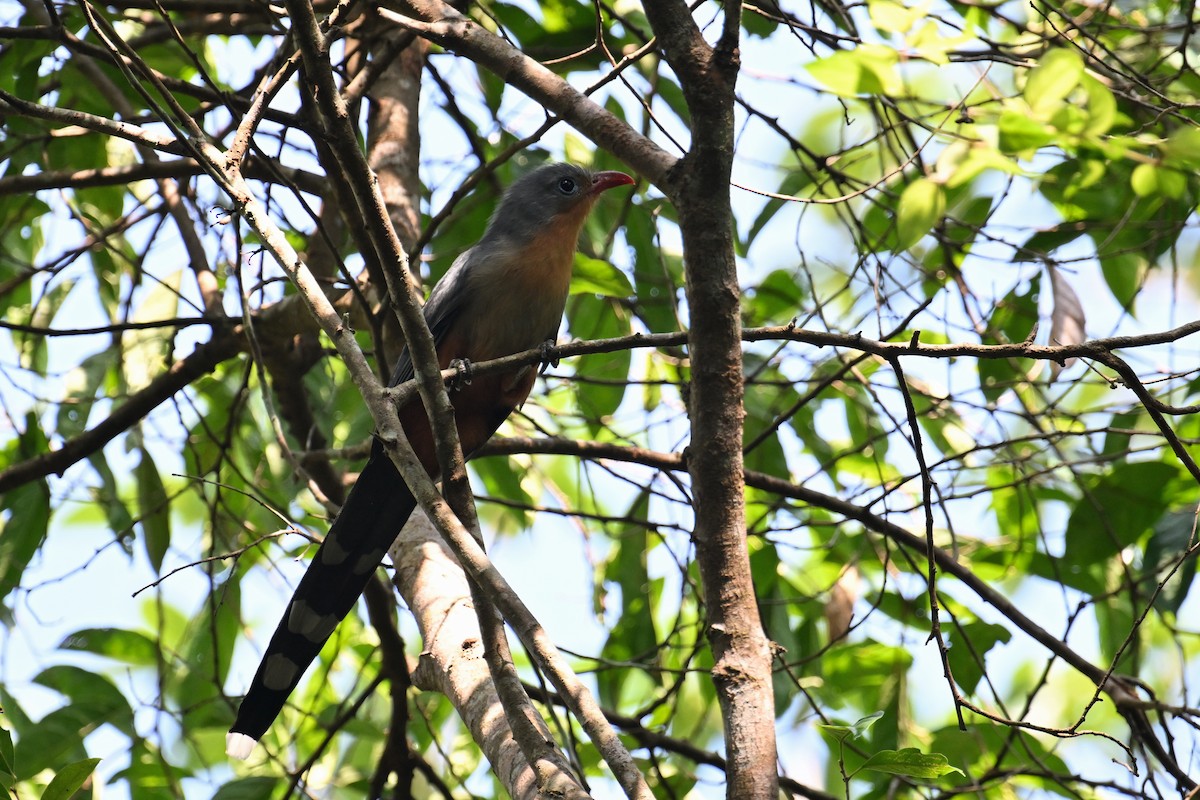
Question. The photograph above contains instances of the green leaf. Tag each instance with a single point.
(1170, 539)
(892, 17)
(965, 216)
(632, 637)
(922, 205)
(803, 424)
(969, 645)
(1052, 80)
(91, 691)
(55, 739)
(68, 779)
(1115, 619)
(1152, 180)
(1102, 107)
(207, 647)
(1182, 148)
(761, 26)
(985, 747)
(652, 391)
(776, 300)
(14, 716)
(34, 350)
(1086, 188)
(20, 75)
(1020, 134)
(657, 277)
(593, 276)
(154, 510)
(502, 479)
(22, 235)
(864, 724)
(1043, 243)
(28, 515)
(129, 647)
(8, 762)
(911, 763)
(1124, 274)
(102, 205)
(108, 497)
(840, 732)
(151, 774)
(862, 420)
(252, 788)
(865, 674)
(1013, 318)
(768, 396)
(1143, 180)
(1117, 509)
(560, 27)
(82, 384)
(1116, 444)
(605, 374)
(867, 69)
(146, 350)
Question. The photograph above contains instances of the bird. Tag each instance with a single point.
(505, 295)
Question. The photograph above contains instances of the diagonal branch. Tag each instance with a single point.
(1121, 690)
(463, 541)
(454, 31)
(454, 662)
(203, 360)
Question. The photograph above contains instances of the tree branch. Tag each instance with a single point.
(203, 360)
(453, 661)
(456, 32)
(1122, 690)
(698, 186)
(464, 542)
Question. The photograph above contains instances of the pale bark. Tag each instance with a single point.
(453, 662)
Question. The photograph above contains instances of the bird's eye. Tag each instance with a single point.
(566, 186)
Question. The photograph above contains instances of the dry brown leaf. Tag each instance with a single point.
(1067, 320)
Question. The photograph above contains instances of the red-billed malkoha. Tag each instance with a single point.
(504, 295)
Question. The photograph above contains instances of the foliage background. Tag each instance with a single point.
(993, 179)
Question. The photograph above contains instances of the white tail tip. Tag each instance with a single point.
(239, 745)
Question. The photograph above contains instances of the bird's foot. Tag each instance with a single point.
(548, 357)
(464, 373)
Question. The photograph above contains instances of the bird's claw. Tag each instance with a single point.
(548, 357)
(464, 372)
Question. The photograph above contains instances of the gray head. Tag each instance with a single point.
(552, 193)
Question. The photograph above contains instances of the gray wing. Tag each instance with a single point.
(442, 310)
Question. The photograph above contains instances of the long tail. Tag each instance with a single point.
(378, 506)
